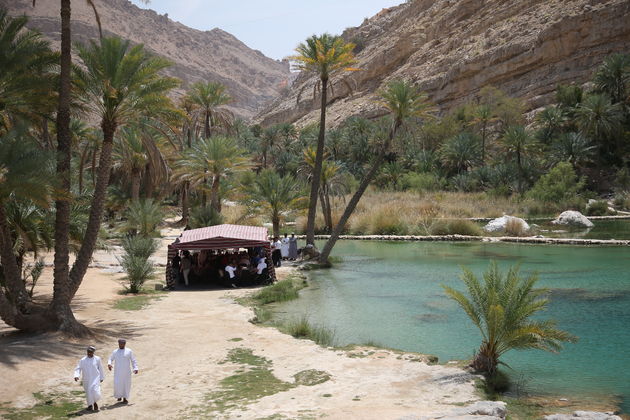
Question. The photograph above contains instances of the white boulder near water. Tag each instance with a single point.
(573, 218)
(584, 415)
(499, 224)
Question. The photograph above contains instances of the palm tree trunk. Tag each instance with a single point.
(135, 185)
(206, 130)
(185, 192)
(215, 198)
(96, 211)
(328, 210)
(93, 168)
(317, 169)
(354, 201)
(60, 305)
(322, 202)
(483, 144)
(275, 221)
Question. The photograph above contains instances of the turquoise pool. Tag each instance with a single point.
(390, 293)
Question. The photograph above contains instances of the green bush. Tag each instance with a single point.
(597, 208)
(302, 328)
(143, 218)
(421, 182)
(559, 185)
(456, 227)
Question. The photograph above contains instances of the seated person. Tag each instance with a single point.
(230, 270)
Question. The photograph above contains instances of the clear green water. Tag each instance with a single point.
(390, 293)
(603, 229)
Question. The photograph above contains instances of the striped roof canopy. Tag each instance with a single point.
(222, 237)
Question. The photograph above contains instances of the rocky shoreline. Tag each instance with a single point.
(468, 238)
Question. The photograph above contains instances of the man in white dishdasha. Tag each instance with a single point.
(91, 373)
(123, 361)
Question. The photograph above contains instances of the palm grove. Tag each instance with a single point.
(61, 177)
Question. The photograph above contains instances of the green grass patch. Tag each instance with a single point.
(135, 303)
(261, 315)
(302, 328)
(235, 339)
(49, 406)
(281, 291)
(251, 382)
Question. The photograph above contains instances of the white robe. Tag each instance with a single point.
(91, 373)
(284, 248)
(124, 362)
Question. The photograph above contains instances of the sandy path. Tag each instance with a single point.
(180, 341)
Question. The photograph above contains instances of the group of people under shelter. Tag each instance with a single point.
(90, 372)
(223, 268)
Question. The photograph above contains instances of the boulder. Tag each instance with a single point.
(499, 224)
(480, 409)
(573, 218)
(585, 415)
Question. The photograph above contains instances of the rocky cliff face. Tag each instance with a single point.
(252, 78)
(453, 48)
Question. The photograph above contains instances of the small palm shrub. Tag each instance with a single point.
(143, 218)
(204, 216)
(501, 307)
(136, 263)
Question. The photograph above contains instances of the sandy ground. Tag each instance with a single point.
(180, 342)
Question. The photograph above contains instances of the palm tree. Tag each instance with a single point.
(25, 175)
(518, 142)
(274, 196)
(131, 157)
(322, 55)
(27, 76)
(209, 96)
(118, 82)
(215, 158)
(483, 116)
(551, 121)
(502, 308)
(574, 148)
(461, 153)
(403, 101)
(143, 218)
(613, 77)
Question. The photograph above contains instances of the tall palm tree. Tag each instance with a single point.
(403, 101)
(501, 308)
(215, 158)
(613, 77)
(321, 55)
(483, 116)
(274, 196)
(209, 96)
(130, 157)
(118, 83)
(518, 142)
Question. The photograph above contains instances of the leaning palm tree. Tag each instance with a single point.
(212, 158)
(118, 83)
(501, 308)
(209, 96)
(322, 55)
(274, 196)
(403, 101)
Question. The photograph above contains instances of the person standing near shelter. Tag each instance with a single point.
(90, 371)
(284, 249)
(123, 361)
(293, 248)
(276, 254)
(186, 265)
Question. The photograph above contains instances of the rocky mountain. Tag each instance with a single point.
(453, 48)
(251, 77)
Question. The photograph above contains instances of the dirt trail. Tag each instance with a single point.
(181, 342)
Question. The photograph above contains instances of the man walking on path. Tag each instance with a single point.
(124, 362)
(91, 373)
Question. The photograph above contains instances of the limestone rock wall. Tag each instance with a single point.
(252, 78)
(453, 48)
